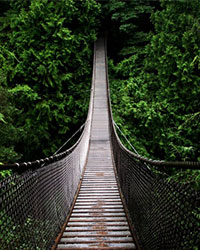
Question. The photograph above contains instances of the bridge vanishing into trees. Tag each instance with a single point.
(97, 194)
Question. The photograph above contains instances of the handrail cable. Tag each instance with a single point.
(181, 164)
(158, 163)
(164, 212)
(129, 142)
(125, 137)
(81, 127)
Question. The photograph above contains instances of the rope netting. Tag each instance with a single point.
(34, 205)
(165, 214)
(36, 199)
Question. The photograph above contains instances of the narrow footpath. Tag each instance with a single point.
(98, 219)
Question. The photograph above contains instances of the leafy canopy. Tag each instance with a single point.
(47, 62)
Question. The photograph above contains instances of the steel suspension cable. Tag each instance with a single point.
(125, 137)
(129, 142)
(82, 126)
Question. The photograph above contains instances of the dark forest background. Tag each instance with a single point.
(46, 50)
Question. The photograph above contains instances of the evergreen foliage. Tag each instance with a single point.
(9, 134)
(128, 25)
(157, 97)
(47, 63)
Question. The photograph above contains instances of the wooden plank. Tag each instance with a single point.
(96, 239)
(90, 200)
(89, 214)
(94, 223)
(90, 246)
(99, 175)
(99, 210)
(99, 192)
(98, 219)
(97, 228)
(92, 171)
(97, 206)
(93, 203)
(97, 233)
(99, 181)
(101, 188)
(99, 195)
(105, 184)
(98, 199)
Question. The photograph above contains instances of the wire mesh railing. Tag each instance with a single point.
(36, 198)
(35, 204)
(165, 214)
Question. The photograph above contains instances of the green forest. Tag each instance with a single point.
(46, 52)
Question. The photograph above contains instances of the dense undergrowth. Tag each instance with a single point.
(155, 79)
(154, 68)
(46, 67)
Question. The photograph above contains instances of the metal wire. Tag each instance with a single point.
(115, 124)
(165, 214)
(82, 126)
(36, 198)
(35, 204)
(125, 137)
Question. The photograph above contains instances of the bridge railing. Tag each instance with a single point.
(36, 199)
(165, 214)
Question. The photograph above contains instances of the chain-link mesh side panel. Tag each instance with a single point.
(165, 214)
(34, 205)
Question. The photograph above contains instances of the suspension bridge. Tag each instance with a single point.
(97, 194)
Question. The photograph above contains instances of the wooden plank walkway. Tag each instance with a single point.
(98, 219)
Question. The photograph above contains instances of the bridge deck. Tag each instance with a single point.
(98, 219)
